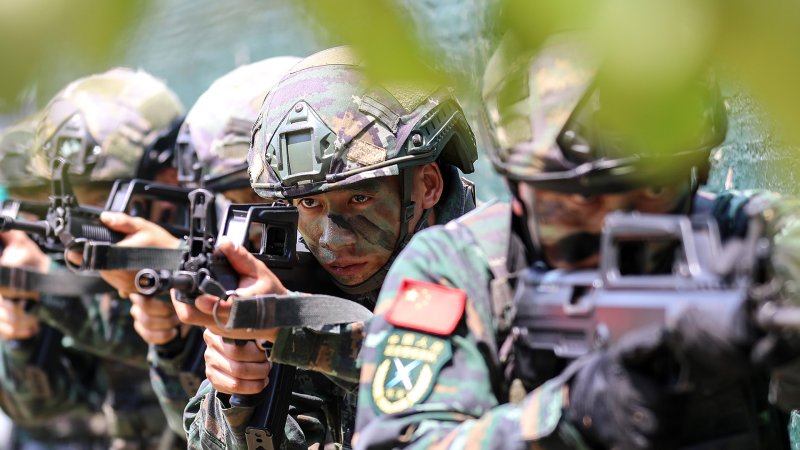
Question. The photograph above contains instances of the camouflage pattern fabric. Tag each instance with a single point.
(316, 414)
(103, 368)
(103, 123)
(220, 122)
(465, 401)
(165, 376)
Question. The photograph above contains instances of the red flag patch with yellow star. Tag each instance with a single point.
(427, 307)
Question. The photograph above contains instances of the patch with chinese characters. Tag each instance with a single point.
(428, 307)
(407, 372)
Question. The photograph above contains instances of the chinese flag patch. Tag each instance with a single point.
(427, 307)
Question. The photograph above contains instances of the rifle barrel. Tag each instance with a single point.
(8, 224)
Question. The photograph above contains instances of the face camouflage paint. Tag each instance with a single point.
(352, 231)
(569, 225)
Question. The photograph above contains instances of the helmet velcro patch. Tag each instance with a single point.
(366, 154)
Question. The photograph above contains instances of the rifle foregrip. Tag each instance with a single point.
(100, 233)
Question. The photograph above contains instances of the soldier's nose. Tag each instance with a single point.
(336, 233)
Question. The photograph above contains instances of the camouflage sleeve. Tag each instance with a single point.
(209, 424)
(420, 390)
(42, 381)
(165, 376)
(317, 416)
(100, 325)
(330, 350)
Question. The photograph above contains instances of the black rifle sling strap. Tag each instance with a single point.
(277, 311)
(104, 256)
(62, 283)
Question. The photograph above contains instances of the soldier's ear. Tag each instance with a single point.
(429, 184)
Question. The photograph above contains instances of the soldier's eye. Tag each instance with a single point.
(309, 202)
(360, 198)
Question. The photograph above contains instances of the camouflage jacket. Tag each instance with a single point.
(99, 364)
(173, 382)
(317, 410)
(440, 382)
(329, 350)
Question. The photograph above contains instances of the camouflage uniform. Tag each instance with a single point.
(212, 143)
(76, 421)
(106, 125)
(357, 132)
(452, 382)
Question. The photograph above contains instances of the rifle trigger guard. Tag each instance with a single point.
(78, 244)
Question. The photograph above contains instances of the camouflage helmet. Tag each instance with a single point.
(103, 124)
(548, 116)
(16, 144)
(324, 126)
(215, 137)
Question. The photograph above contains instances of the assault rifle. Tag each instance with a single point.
(567, 314)
(68, 226)
(269, 232)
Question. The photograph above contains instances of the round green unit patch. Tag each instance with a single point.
(409, 365)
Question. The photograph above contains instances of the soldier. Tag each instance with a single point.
(440, 360)
(211, 152)
(367, 167)
(76, 427)
(109, 126)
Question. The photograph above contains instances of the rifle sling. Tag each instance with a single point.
(62, 283)
(278, 311)
(104, 256)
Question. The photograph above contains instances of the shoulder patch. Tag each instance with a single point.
(427, 307)
(410, 363)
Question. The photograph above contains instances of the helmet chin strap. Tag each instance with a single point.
(372, 285)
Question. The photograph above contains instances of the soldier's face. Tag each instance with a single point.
(352, 231)
(568, 226)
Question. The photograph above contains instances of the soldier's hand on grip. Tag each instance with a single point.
(235, 369)
(20, 251)
(154, 320)
(625, 397)
(254, 279)
(15, 323)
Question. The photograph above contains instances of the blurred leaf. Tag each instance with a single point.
(38, 36)
(382, 34)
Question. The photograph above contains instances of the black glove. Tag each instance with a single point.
(633, 394)
(624, 397)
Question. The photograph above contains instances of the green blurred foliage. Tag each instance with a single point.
(649, 45)
(39, 36)
(650, 49)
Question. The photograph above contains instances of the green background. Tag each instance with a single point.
(189, 43)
